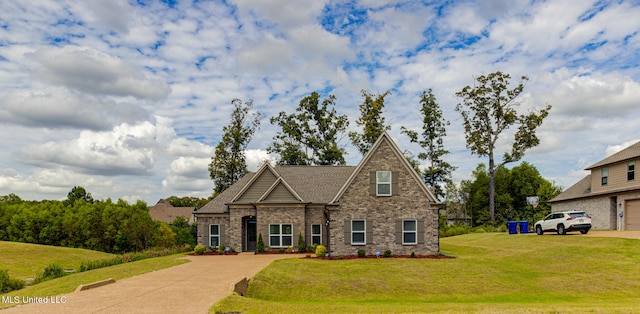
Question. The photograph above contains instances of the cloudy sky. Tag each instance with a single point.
(128, 98)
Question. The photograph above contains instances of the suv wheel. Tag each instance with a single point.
(561, 229)
(584, 231)
(539, 230)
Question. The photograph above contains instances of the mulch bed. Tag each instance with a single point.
(214, 253)
(392, 256)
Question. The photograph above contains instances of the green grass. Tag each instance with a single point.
(24, 260)
(69, 283)
(493, 272)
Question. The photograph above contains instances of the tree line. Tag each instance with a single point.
(81, 222)
(310, 135)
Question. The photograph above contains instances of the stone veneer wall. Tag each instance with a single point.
(383, 211)
(314, 215)
(235, 230)
(214, 219)
(281, 214)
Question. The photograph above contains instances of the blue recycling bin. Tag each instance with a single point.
(512, 226)
(524, 226)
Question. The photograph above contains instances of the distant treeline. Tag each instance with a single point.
(113, 227)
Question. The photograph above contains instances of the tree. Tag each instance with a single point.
(512, 188)
(78, 193)
(371, 121)
(229, 163)
(488, 110)
(438, 172)
(310, 135)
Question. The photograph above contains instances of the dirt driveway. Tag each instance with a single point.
(187, 288)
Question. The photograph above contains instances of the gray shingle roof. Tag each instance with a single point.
(218, 204)
(630, 152)
(314, 184)
(578, 190)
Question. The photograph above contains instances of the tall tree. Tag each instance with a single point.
(438, 172)
(371, 121)
(78, 193)
(310, 135)
(488, 110)
(229, 163)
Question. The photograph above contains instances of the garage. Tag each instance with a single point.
(632, 215)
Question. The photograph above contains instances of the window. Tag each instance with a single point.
(358, 232)
(631, 171)
(316, 234)
(383, 183)
(280, 235)
(605, 174)
(409, 232)
(214, 235)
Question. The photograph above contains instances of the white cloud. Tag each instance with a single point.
(94, 72)
(62, 108)
(612, 149)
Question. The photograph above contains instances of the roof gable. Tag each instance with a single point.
(280, 191)
(264, 178)
(630, 152)
(385, 138)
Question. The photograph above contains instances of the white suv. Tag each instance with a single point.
(564, 221)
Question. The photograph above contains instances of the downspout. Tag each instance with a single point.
(328, 224)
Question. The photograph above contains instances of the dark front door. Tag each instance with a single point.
(251, 234)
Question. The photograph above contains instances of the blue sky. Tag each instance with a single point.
(128, 98)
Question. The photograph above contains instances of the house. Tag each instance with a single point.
(164, 211)
(610, 194)
(380, 204)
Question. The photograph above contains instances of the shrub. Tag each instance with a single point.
(8, 283)
(301, 245)
(260, 244)
(311, 248)
(361, 253)
(289, 249)
(413, 254)
(199, 249)
(221, 248)
(321, 250)
(340, 256)
(51, 271)
(387, 253)
(281, 250)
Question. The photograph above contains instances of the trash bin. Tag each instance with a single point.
(524, 226)
(512, 226)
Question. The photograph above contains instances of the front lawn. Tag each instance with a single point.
(493, 272)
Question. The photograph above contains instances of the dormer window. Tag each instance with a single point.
(383, 183)
(604, 176)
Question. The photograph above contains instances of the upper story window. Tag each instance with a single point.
(631, 171)
(604, 175)
(383, 183)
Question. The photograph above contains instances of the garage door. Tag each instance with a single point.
(632, 215)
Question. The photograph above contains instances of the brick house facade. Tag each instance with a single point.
(380, 204)
(610, 194)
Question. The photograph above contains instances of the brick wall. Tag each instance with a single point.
(383, 211)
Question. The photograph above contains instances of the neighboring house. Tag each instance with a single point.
(610, 194)
(381, 204)
(164, 211)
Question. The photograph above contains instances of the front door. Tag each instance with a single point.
(251, 234)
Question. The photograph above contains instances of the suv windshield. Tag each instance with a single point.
(576, 215)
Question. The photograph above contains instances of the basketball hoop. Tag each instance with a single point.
(532, 200)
